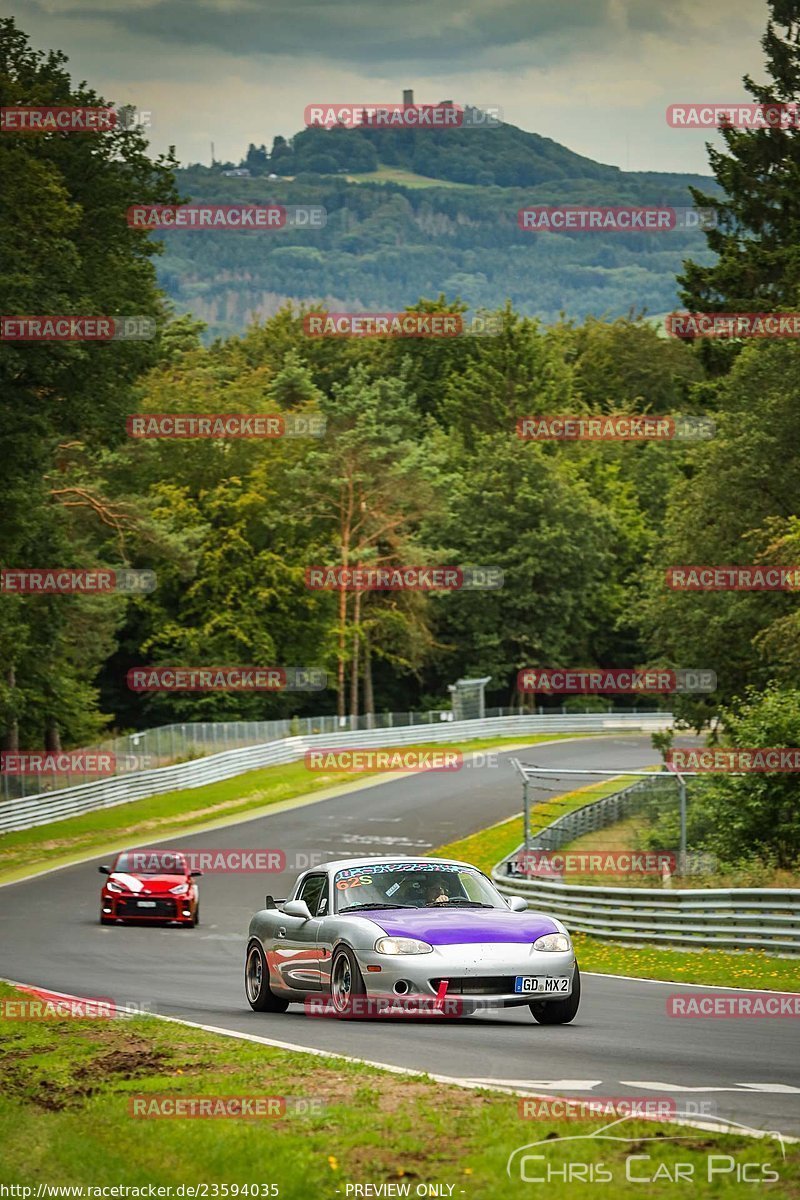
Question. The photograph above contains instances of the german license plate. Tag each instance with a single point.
(542, 984)
(146, 903)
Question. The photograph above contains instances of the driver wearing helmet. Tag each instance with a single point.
(435, 892)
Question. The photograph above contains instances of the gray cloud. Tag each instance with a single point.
(373, 34)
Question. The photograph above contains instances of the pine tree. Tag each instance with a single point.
(757, 234)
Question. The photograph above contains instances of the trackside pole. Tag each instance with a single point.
(682, 854)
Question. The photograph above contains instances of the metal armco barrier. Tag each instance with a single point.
(725, 918)
(122, 789)
(597, 815)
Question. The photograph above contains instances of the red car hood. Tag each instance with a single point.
(150, 884)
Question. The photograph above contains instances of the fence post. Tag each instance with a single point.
(682, 857)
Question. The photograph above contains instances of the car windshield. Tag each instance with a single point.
(151, 862)
(413, 885)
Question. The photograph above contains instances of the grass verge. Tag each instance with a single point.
(67, 1087)
(401, 175)
(725, 968)
(28, 850)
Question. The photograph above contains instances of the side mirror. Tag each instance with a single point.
(517, 903)
(297, 908)
(104, 870)
(194, 874)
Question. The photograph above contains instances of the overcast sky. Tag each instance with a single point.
(595, 75)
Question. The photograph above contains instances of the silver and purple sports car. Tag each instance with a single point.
(390, 930)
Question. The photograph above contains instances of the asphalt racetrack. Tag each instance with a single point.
(621, 1043)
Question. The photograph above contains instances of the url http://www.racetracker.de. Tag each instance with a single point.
(181, 1191)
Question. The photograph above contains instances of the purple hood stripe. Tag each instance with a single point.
(462, 926)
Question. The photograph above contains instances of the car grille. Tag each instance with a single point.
(130, 908)
(477, 985)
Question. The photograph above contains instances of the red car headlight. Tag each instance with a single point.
(180, 889)
(113, 886)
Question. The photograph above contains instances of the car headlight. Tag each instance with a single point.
(401, 945)
(180, 889)
(553, 942)
(113, 886)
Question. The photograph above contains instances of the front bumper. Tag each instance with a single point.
(483, 973)
(167, 908)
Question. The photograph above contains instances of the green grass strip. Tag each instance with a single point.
(68, 1086)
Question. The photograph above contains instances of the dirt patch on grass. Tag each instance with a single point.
(18, 1083)
(125, 1064)
(116, 1056)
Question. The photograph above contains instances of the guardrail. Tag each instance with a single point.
(591, 817)
(165, 745)
(27, 812)
(721, 918)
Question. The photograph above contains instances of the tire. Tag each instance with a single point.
(196, 920)
(256, 982)
(107, 920)
(347, 983)
(559, 1012)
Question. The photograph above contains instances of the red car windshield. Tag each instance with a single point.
(151, 862)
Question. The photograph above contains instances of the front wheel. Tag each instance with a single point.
(256, 983)
(559, 1012)
(347, 983)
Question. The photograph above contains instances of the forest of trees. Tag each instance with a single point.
(386, 244)
(420, 463)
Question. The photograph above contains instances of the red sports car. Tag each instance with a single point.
(149, 885)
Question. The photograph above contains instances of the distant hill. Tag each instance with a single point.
(503, 155)
(430, 212)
